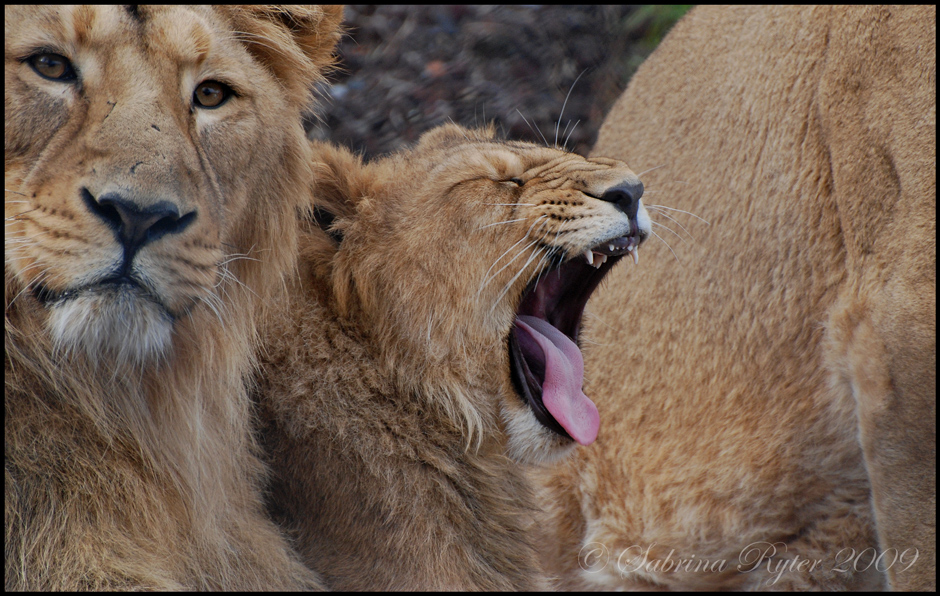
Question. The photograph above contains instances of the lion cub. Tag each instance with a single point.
(430, 347)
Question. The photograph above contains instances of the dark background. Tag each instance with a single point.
(405, 69)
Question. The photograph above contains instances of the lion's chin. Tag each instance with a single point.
(119, 325)
(529, 441)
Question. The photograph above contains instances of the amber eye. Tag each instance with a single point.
(52, 66)
(211, 94)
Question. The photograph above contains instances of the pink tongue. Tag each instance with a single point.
(564, 374)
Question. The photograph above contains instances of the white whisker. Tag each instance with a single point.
(499, 223)
(506, 288)
(487, 279)
(208, 302)
(42, 276)
(566, 128)
(667, 246)
(650, 170)
(562, 113)
(548, 255)
(521, 252)
(551, 252)
(603, 322)
(29, 239)
(533, 129)
(671, 231)
(569, 134)
(233, 258)
(679, 210)
(501, 269)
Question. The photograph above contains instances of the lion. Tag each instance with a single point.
(428, 355)
(155, 159)
(769, 398)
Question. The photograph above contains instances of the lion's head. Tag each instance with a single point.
(470, 260)
(432, 346)
(154, 161)
(149, 171)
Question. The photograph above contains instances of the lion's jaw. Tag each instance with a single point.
(500, 220)
(112, 322)
(124, 210)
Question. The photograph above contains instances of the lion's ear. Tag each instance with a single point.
(450, 134)
(295, 43)
(340, 179)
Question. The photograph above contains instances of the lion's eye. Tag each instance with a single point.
(54, 67)
(517, 181)
(212, 94)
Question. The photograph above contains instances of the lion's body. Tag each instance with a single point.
(766, 387)
(129, 458)
(387, 386)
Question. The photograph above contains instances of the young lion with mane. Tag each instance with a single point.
(429, 347)
(154, 160)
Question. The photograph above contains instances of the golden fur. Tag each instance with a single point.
(144, 233)
(777, 385)
(392, 422)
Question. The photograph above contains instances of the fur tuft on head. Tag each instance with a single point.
(147, 238)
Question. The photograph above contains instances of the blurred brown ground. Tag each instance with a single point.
(405, 69)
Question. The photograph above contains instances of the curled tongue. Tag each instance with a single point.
(564, 374)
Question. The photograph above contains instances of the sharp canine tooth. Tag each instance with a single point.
(636, 257)
(589, 256)
(610, 247)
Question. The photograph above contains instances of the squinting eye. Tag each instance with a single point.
(212, 94)
(54, 67)
(516, 181)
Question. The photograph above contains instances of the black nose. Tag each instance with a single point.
(135, 224)
(626, 196)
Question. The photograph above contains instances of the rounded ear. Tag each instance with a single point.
(295, 43)
(340, 180)
(448, 134)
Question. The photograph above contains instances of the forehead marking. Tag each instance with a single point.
(134, 11)
(86, 24)
(188, 39)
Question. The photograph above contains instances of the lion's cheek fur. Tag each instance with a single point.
(367, 458)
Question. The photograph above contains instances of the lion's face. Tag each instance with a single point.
(140, 159)
(476, 257)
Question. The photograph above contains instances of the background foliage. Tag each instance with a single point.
(405, 69)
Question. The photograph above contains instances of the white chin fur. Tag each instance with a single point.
(121, 327)
(529, 441)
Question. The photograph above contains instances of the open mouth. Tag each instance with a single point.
(546, 363)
